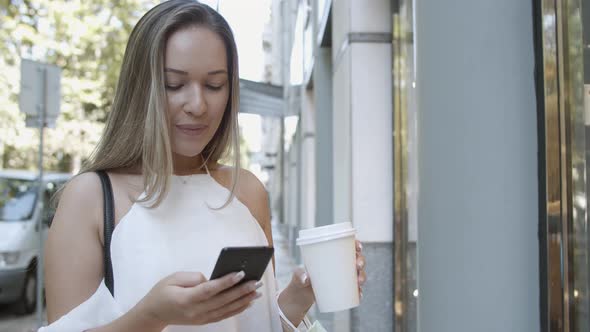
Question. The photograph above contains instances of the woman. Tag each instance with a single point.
(173, 118)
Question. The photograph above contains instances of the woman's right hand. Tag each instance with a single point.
(188, 298)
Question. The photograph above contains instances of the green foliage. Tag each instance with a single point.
(87, 40)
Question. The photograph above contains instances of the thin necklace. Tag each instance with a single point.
(185, 179)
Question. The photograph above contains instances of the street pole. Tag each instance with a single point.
(39, 226)
(39, 100)
(284, 80)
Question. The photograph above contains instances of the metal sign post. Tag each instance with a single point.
(39, 100)
(40, 195)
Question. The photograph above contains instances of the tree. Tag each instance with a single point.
(87, 40)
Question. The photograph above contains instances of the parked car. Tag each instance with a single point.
(20, 212)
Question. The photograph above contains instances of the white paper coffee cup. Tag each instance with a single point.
(329, 256)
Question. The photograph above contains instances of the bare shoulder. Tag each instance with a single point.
(250, 191)
(78, 214)
(248, 183)
(81, 195)
(253, 194)
(73, 264)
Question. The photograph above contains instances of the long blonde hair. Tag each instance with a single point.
(136, 133)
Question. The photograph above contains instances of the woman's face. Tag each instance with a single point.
(197, 88)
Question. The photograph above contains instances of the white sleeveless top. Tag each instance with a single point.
(181, 234)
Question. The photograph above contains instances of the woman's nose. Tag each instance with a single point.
(195, 102)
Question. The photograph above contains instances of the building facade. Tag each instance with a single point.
(453, 136)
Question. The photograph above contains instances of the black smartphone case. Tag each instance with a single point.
(252, 260)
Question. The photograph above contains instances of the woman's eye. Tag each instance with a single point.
(215, 87)
(173, 87)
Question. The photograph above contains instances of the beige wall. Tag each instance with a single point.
(363, 141)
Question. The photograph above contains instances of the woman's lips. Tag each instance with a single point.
(192, 130)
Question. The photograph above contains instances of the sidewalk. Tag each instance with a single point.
(284, 263)
(10, 322)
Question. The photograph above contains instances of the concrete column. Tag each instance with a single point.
(293, 180)
(308, 175)
(324, 137)
(363, 149)
(477, 209)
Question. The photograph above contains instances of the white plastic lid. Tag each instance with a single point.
(325, 233)
(323, 230)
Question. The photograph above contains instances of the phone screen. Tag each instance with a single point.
(252, 260)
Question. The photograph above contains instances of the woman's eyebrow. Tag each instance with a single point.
(175, 71)
(217, 72)
(178, 71)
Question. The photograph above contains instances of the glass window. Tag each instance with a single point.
(17, 199)
(565, 277)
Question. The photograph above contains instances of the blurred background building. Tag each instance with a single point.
(452, 136)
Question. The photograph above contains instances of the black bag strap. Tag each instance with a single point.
(109, 226)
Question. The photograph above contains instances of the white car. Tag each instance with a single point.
(20, 211)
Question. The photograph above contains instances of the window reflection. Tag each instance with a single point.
(17, 199)
(567, 156)
(405, 179)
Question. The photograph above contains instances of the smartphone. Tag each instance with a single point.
(252, 260)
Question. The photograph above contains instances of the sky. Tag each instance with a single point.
(247, 19)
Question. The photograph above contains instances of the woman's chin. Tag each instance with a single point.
(187, 153)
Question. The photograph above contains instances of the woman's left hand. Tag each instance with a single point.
(360, 266)
(301, 283)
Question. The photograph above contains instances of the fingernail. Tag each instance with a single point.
(360, 246)
(360, 265)
(361, 294)
(239, 276)
(258, 284)
(258, 295)
(304, 278)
